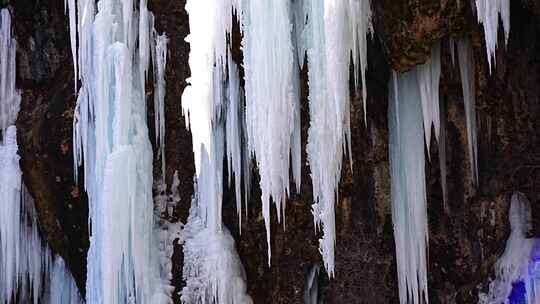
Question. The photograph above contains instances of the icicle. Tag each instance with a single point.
(408, 190)
(311, 292)
(466, 69)
(10, 97)
(70, 6)
(429, 76)
(452, 46)
(233, 133)
(518, 262)
(334, 30)
(488, 12)
(272, 99)
(160, 63)
(360, 22)
(442, 155)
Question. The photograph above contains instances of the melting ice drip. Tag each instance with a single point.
(517, 271)
(488, 12)
(112, 44)
(27, 273)
(334, 30)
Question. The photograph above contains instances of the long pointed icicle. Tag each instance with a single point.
(408, 189)
(466, 69)
(429, 76)
(160, 63)
(272, 99)
(488, 12)
(330, 39)
(233, 129)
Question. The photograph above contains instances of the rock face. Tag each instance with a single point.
(463, 242)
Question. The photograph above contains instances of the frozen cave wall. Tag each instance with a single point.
(463, 243)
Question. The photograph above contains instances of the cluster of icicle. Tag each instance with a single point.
(519, 262)
(27, 271)
(334, 30)
(488, 12)
(414, 112)
(112, 43)
(212, 105)
(265, 125)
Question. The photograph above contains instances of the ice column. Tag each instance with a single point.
(211, 103)
(111, 140)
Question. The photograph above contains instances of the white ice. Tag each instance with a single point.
(272, 99)
(513, 265)
(466, 69)
(213, 108)
(334, 30)
(10, 97)
(111, 140)
(488, 13)
(408, 189)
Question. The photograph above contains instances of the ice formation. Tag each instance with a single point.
(160, 63)
(466, 69)
(211, 103)
(311, 292)
(21, 252)
(115, 43)
(9, 97)
(166, 233)
(408, 189)
(25, 260)
(488, 12)
(519, 262)
(429, 76)
(212, 269)
(272, 99)
(334, 30)
(62, 288)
